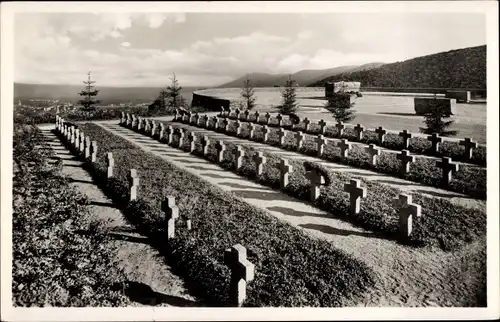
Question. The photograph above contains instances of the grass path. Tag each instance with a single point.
(410, 277)
(151, 282)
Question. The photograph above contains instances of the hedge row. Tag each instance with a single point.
(292, 269)
(470, 179)
(442, 224)
(393, 141)
(61, 255)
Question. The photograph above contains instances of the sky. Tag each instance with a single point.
(208, 49)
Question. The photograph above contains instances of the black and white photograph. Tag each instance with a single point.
(169, 160)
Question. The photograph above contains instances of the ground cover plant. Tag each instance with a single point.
(393, 141)
(469, 179)
(443, 224)
(61, 254)
(292, 269)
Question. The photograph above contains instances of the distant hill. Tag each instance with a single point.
(460, 68)
(107, 95)
(303, 77)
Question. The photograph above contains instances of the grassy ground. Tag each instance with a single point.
(291, 268)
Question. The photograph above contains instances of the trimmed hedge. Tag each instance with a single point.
(393, 141)
(470, 179)
(292, 269)
(442, 224)
(61, 254)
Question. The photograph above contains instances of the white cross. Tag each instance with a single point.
(171, 214)
(299, 136)
(133, 183)
(259, 159)
(252, 129)
(356, 192)
(205, 143)
(322, 124)
(242, 272)
(344, 146)
(316, 180)
(265, 131)
(359, 131)
(306, 124)
(381, 134)
(435, 140)
(407, 210)
(110, 163)
(468, 144)
(406, 136)
(192, 139)
(373, 152)
(268, 118)
(448, 167)
(221, 147)
(282, 135)
(321, 142)
(240, 153)
(406, 159)
(238, 128)
(285, 170)
(340, 128)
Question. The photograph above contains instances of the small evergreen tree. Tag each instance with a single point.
(159, 103)
(174, 97)
(340, 105)
(289, 100)
(248, 94)
(434, 120)
(88, 102)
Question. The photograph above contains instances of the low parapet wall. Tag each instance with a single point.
(209, 102)
(425, 104)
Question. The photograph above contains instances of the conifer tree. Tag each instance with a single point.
(340, 105)
(89, 93)
(174, 96)
(248, 94)
(288, 96)
(434, 120)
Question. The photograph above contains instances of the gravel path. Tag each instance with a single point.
(409, 276)
(151, 281)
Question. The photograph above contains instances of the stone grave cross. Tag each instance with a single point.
(171, 214)
(405, 159)
(321, 142)
(316, 180)
(242, 272)
(260, 160)
(285, 170)
(110, 162)
(468, 144)
(448, 168)
(322, 125)
(406, 138)
(221, 147)
(373, 152)
(356, 192)
(435, 140)
(240, 153)
(359, 132)
(407, 210)
(133, 183)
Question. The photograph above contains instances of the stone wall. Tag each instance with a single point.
(209, 102)
(424, 104)
(460, 96)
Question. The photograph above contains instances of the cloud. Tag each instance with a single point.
(61, 48)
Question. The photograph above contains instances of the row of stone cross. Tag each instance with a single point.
(468, 144)
(407, 210)
(242, 270)
(78, 139)
(446, 164)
